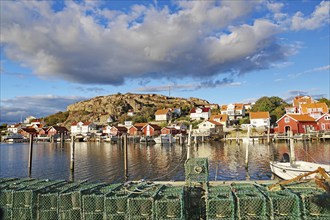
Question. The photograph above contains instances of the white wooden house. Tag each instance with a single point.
(163, 115)
(200, 113)
(211, 127)
(259, 119)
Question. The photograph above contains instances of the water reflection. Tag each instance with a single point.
(104, 161)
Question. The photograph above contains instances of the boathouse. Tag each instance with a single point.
(298, 124)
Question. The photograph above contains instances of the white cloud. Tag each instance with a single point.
(317, 69)
(88, 44)
(318, 18)
(39, 106)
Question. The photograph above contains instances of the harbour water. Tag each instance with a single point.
(103, 162)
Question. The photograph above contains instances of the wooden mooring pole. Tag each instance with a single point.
(125, 158)
(30, 154)
(72, 153)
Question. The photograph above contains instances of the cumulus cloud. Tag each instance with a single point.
(190, 87)
(318, 18)
(90, 43)
(311, 92)
(38, 106)
(86, 44)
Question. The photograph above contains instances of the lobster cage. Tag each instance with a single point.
(10, 199)
(141, 204)
(69, 202)
(282, 204)
(250, 202)
(196, 170)
(220, 203)
(170, 203)
(93, 203)
(48, 202)
(115, 204)
(314, 203)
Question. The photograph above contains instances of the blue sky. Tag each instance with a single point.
(55, 53)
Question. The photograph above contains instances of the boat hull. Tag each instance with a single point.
(286, 171)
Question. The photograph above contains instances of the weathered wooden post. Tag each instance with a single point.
(189, 141)
(30, 154)
(72, 153)
(125, 158)
(62, 140)
(247, 162)
(292, 154)
(268, 135)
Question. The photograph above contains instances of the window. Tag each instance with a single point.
(323, 126)
(327, 118)
(287, 120)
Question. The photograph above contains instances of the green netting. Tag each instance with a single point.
(48, 214)
(27, 197)
(282, 204)
(115, 204)
(220, 203)
(170, 203)
(245, 187)
(315, 203)
(69, 202)
(93, 204)
(24, 213)
(141, 204)
(6, 194)
(196, 170)
(71, 214)
(250, 204)
(7, 212)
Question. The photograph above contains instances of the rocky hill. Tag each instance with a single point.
(100, 108)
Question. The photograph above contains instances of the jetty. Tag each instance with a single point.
(194, 198)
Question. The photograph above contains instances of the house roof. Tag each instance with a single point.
(215, 122)
(298, 100)
(139, 125)
(322, 116)
(58, 128)
(162, 111)
(221, 117)
(203, 110)
(322, 105)
(154, 126)
(87, 123)
(237, 106)
(259, 115)
(303, 117)
(120, 128)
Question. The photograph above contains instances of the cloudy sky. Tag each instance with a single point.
(54, 53)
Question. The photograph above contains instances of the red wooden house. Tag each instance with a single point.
(136, 129)
(151, 130)
(27, 131)
(169, 130)
(118, 130)
(297, 123)
(57, 130)
(323, 122)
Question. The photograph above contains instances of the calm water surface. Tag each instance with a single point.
(104, 161)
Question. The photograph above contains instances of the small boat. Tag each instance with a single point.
(289, 167)
(287, 170)
(147, 139)
(165, 139)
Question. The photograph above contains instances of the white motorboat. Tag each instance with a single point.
(287, 170)
(164, 139)
(289, 167)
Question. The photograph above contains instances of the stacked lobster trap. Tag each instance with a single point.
(197, 198)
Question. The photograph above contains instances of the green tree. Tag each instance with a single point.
(326, 101)
(274, 105)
